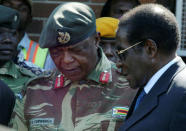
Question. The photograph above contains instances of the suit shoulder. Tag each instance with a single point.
(180, 79)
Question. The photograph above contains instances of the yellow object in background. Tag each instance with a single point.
(107, 26)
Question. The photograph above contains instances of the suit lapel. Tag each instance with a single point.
(150, 101)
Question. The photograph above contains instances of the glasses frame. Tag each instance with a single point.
(122, 51)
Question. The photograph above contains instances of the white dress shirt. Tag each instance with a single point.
(158, 74)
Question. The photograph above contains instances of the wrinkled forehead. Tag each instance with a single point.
(121, 37)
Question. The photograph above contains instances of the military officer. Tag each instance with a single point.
(88, 93)
(30, 55)
(11, 74)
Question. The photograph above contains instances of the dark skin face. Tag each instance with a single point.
(119, 7)
(139, 63)
(8, 44)
(78, 60)
(24, 11)
(108, 47)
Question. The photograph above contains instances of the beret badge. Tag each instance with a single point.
(63, 37)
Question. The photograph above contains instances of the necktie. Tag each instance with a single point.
(140, 97)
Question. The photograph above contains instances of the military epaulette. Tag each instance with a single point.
(104, 77)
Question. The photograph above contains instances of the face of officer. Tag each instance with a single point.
(78, 60)
(108, 47)
(8, 44)
(23, 9)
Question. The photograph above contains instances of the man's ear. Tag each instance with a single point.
(98, 37)
(151, 48)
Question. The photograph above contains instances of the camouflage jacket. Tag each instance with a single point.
(16, 78)
(87, 105)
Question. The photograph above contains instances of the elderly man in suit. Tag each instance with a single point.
(147, 39)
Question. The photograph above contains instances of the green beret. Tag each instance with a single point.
(9, 18)
(67, 25)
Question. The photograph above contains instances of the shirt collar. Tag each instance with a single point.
(103, 65)
(9, 69)
(158, 74)
(24, 42)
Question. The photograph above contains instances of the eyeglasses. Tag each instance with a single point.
(121, 52)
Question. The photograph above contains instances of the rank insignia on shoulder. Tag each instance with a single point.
(104, 77)
(59, 82)
(119, 112)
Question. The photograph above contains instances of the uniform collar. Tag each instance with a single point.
(10, 69)
(104, 65)
(24, 42)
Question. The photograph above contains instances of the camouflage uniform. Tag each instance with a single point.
(86, 105)
(16, 78)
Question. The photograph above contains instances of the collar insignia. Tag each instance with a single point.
(59, 82)
(63, 37)
(104, 77)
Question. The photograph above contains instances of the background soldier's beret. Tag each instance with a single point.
(68, 24)
(107, 26)
(28, 2)
(9, 18)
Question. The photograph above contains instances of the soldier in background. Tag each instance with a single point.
(11, 74)
(88, 94)
(116, 8)
(30, 54)
(107, 27)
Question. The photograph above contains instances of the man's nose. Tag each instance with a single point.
(6, 39)
(68, 57)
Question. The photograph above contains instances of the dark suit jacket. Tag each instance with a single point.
(7, 101)
(164, 108)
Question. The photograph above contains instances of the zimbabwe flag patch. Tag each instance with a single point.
(119, 112)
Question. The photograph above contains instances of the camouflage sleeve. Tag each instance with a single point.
(18, 120)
